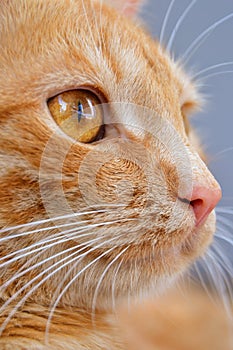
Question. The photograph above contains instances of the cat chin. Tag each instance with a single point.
(148, 278)
(203, 235)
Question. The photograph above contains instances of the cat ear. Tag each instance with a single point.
(127, 7)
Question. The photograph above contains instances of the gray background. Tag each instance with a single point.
(215, 122)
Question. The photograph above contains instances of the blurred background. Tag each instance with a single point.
(215, 122)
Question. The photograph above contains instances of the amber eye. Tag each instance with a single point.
(79, 114)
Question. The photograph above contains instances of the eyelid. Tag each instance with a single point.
(100, 94)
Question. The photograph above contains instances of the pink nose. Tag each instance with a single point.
(203, 201)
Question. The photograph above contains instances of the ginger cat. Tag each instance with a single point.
(105, 197)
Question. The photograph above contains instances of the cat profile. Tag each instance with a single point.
(104, 193)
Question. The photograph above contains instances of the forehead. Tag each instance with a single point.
(50, 47)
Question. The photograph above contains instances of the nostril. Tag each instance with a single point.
(203, 201)
(196, 203)
(199, 210)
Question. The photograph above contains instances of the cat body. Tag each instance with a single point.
(115, 211)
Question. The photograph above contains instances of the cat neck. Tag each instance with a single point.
(68, 329)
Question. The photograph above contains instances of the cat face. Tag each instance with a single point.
(96, 148)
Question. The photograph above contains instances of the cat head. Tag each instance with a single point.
(102, 179)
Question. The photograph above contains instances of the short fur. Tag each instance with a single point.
(48, 47)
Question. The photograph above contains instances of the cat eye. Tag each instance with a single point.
(79, 114)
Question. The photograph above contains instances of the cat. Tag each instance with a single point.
(105, 195)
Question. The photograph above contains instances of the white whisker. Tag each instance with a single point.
(97, 26)
(179, 23)
(44, 229)
(224, 210)
(214, 274)
(68, 250)
(102, 277)
(222, 285)
(165, 21)
(223, 151)
(43, 248)
(21, 302)
(224, 239)
(222, 260)
(195, 49)
(68, 286)
(65, 239)
(63, 217)
(57, 218)
(90, 30)
(186, 56)
(226, 222)
(200, 277)
(207, 76)
(221, 235)
(114, 283)
(210, 68)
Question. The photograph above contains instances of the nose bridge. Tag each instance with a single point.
(201, 175)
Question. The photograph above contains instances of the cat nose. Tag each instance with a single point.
(203, 200)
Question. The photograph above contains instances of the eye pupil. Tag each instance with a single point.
(80, 111)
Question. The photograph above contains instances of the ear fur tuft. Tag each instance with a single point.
(129, 8)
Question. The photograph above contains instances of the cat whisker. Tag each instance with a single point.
(225, 221)
(201, 277)
(165, 21)
(60, 286)
(223, 238)
(51, 228)
(99, 209)
(72, 234)
(222, 285)
(68, 286)
(217, 158)
(195, 49)
(101, 279)
(229, 149)
(213, 273)
(96, 48)
(98, 26)
(41, 243)
(102, 40)
(224, 218)
(32, 267)
(114, 283)
(210, 68)
(27, 295)
(216, 272)
(189, 51)
(57, 218)
(207, 76)
(43, 229)
(178, 24)
(223, 260)
(48, 240)
(224, 210)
